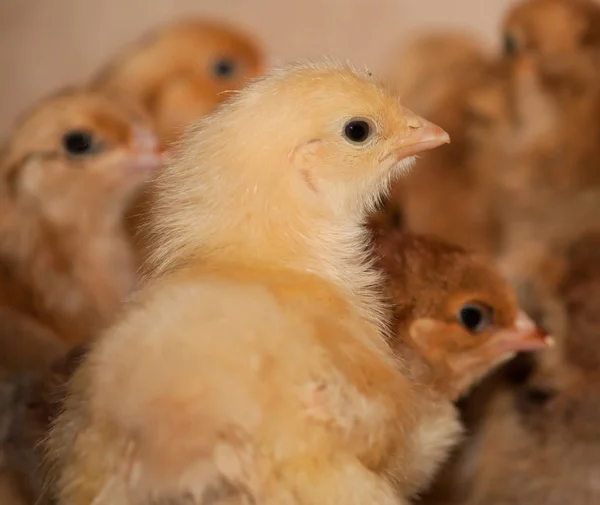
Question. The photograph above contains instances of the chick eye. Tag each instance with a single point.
(78, 142)
(510, 45)
(224, 68)
(474, 317)
(357, 131)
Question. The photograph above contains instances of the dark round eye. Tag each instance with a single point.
(78, 142)
(357, 131)
(224, 68)
(510, 45)
(474, 317)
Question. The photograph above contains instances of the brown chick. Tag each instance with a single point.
(181, 72)
(446, 197)
(261, 325)
(550, 28)
(70, 168)
(455, 319)
(539, 440)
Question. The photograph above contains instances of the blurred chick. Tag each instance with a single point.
(261, 323)
(180, 72)
(550, 28)
(68, 171)
(535, 137)
(455, 319)
(539, 441)
(446, 197)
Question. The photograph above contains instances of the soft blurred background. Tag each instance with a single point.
(47, 43)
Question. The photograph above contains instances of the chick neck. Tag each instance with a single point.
(337, 252)
(265, 232)
(77, 269)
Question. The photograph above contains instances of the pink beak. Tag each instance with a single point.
(524, 335)
(423, 138)
(147, 152)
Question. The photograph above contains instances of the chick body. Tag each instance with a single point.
(262, 323)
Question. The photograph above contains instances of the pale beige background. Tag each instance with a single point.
(45, 44)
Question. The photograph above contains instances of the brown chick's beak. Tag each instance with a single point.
(423, 136)
(523, 336)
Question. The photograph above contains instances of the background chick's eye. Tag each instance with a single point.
(510, 45)
(78, 142)
(474, 317)
(357, 130)
(224, 68)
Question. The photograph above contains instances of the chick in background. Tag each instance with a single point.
(182, 71)
(260, 247)
(534, 138)
(69, 169)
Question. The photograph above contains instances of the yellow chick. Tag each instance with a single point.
(253, 364)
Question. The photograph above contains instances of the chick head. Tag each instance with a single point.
(455, 308)
(78, 151)
(340, 134)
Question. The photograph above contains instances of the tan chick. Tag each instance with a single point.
(68, 172)
(182, 71)
(262, 324)
(539, 440)
(534, 136)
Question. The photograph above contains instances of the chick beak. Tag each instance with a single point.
(147, 153)
(422, 136)
(524, 335)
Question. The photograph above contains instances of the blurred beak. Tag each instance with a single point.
(523, 336)
(147, 153)
(423, 136)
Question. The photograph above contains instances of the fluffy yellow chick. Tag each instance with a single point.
(253, 365)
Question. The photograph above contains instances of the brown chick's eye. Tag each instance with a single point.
(224, 68)
(78, 143)
(510, 45)
(357, 131)
(474, 317)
